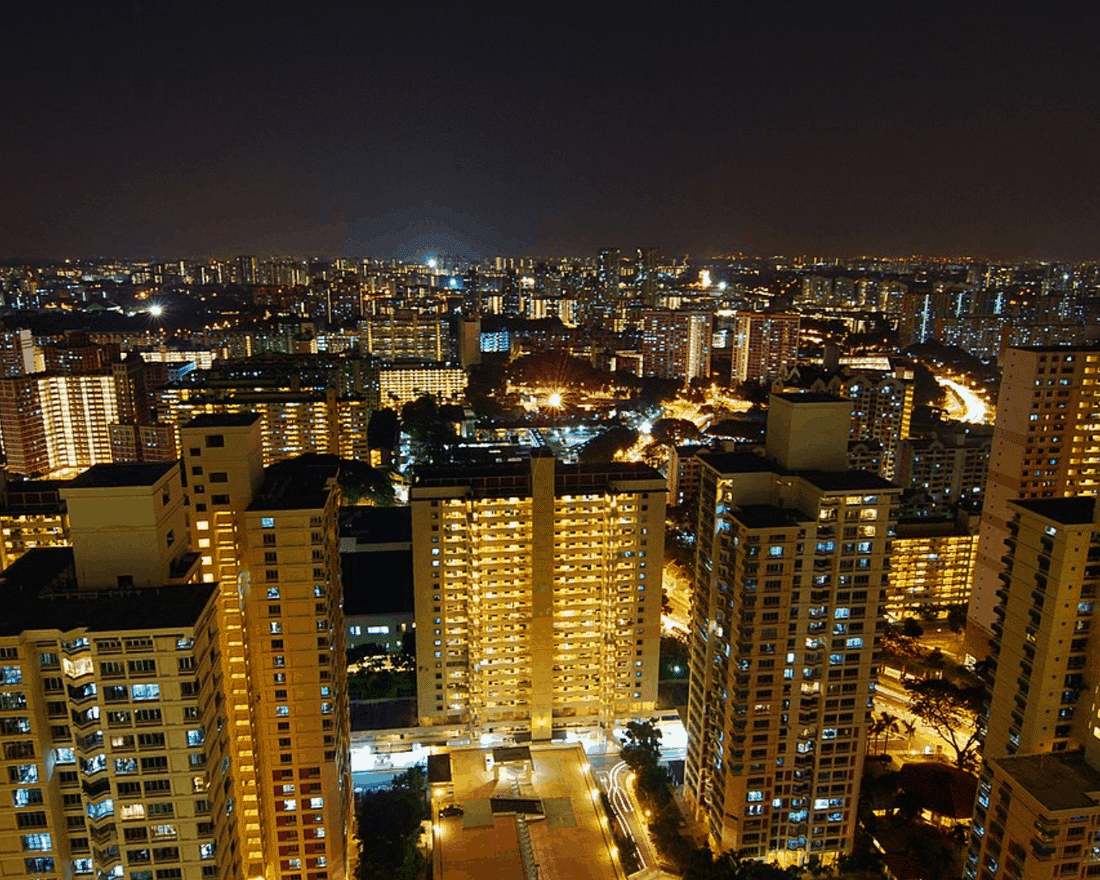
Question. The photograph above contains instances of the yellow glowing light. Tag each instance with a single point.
(554, 399)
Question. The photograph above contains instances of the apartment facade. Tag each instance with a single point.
(1036, 815)
(538, 591)
(763, 345)
(196, 725)
(50, 421)
(1046, 444)
(791, 583)
(293, 422)
(676, 344)
(931, 567)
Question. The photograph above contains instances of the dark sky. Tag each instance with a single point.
(147, 129)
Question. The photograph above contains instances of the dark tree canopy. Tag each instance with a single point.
(389, 824)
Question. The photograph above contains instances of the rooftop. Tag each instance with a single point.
(830, 481)
(809, 397)
(840, 481)
(571, 839)
(223, 420)
(767, 516)
(300, 483)
(39, 591)
(514, 478)
(101, 476)
(1076, 511)
(1057, 780)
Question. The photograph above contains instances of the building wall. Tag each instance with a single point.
(296, 657)
(930, 571)
(790, 587)
(103, 736)
(1044, 446)
(537, 606)
(763, 345)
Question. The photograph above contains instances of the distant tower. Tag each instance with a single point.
(763, 345)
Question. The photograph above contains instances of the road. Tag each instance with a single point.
(964, 404)
(618, 783)
(677, 586)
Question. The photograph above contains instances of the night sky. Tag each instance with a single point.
(160, 130)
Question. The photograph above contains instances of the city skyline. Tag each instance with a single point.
(760, 128)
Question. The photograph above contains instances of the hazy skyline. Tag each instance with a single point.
(766, 128)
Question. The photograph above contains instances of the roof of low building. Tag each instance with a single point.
(103, 476)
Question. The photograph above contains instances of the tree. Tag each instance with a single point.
(641, 746)
(389, 825)
(422, 420)
(382, 429)
(910, 627)
(956, 618)
(603, 446)
(953, 712)
(673, 432)
(884, 725)
(641, 750)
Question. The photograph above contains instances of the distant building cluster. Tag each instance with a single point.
(228, 482)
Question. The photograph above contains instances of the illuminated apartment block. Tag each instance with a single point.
(946, 469)
(538, 594)
(293, 615)
(882, 405)
(152, 739)
(32, 515)
(293, 423)
(791, 578)
(1046, 444)
(100, 714)
(763, 345)
(406, 335)
(102, 729)
(931, 567)
(1037, 815)
(399, 384)
(676, 344)
(143, 443)
(269, 537)
(52, 421)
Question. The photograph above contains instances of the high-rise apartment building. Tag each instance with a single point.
(676, 345)
(791, 580)
(17, 353)
(538, 594)
(406, 335)
(403, 383)
(1036, 815)
(945, 468)
(295, 645)
(931, 566)
(763, 344)
(166, 725)
(1046, 444)
(882, 405)
(294, 422)
(51, 421)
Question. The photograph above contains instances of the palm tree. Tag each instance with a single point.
(910, 729)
